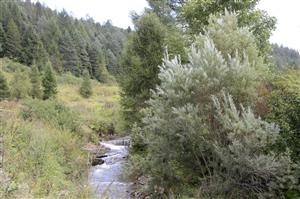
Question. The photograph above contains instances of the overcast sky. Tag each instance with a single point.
(286, 11)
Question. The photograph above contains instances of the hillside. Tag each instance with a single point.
(32, 33)
(47, 138)
(285, 57)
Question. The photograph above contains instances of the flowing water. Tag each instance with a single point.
(107, 179)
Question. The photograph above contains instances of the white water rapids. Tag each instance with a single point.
(107, 179)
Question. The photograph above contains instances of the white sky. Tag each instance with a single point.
(288, 21)
(118, 11)
(286, 11)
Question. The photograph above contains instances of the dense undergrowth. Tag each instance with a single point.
(44, 140)
(222, 125)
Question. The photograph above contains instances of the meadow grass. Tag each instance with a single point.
(44, 141)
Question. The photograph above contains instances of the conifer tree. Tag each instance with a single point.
(2, 40)
(4, 90)
(94, 61)
(13, 41)
(30, 46)
(69, 55)
(41, 57)
(86, 87)
(84, 59)
(140, 65)
(49, 83)
(101, 72)
(36, 84)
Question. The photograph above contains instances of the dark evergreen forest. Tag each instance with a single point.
(285, 57)
(32, 33)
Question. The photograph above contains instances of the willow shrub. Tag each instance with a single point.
(198, 136)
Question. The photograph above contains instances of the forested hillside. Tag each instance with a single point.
(285, 57)
(33, 34)
(201, 96)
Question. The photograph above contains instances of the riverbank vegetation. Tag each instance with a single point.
(212, 110)
(43, 141)
(215, 125)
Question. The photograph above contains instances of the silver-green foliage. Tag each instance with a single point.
(194, 138)
(246, 166)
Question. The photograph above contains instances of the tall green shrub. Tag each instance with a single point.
(140, 61)
(86, 87)
(20, 85)
(196, 136)
(36, 83)
(4, 90)
(284, 109)
(49, 83)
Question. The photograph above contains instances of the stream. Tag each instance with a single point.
(107, 179)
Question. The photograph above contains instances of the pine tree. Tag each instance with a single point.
(101, 72)
(13, 41)
(84, 60)
(2, 40)
(49, 83)
(30, 46)
(69, 55)
(4, 90)
(41, 57)
(94, 61)
(86, 87)
(36, 84)
(140, 65)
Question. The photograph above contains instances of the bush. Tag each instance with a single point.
(69, 79)
(41, 161)
(10, 66)
(195, 141)
(20, 85)
(103, 128)
(86, 87)
(52, 112)
(284, 109)
(4, 90)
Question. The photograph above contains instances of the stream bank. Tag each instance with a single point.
(107, 179)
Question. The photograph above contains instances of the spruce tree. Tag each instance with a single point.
(36, 84)
(41, 57)
(30, 46)
(94, 60)
(84, 60)
(13, 41)
(140, 65)
(101, 72)
(49, 83)
(2, 40)
(4, 90)
(86, 87)
(69, 55)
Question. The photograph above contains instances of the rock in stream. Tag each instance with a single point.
(107, 179)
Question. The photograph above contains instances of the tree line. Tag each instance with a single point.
(285, 57)
(33, 34)
(29, 83)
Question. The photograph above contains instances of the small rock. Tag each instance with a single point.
(97, 161)
(101, 156)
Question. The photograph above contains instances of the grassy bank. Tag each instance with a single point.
(43, 141)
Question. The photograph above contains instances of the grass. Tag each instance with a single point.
(44, 140)
(102, 107)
